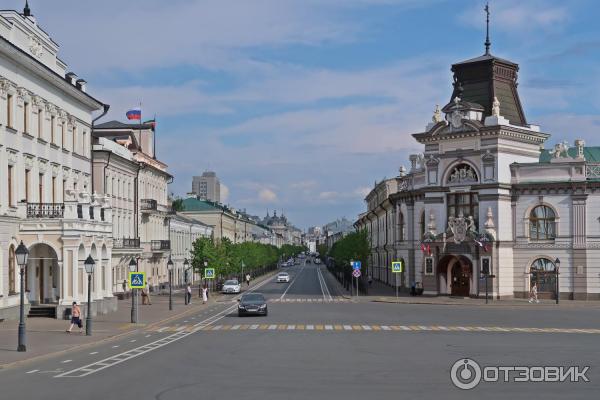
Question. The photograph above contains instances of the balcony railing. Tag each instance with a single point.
(159, 245)
(45, 210)
(148, 205)
(126, 243)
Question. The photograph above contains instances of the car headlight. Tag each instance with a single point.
(241, 307)
(263, 306)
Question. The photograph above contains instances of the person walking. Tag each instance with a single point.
(370, 280)
(148, 293)
(124, 285)
(188, 293)
(533, 294)
(76, 318)
(204, 294)
(248, 279)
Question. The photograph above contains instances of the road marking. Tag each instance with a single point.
(93, 352)
(132, 341)
(32, 371)
(323, 285)
(147, 336)
(310, 327)
(292, 283)
(272, 327)
(115, 346)
(328, 327)
(66, 361)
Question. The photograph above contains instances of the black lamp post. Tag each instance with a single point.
(22, 255)
(133, 268)
(556, 268)
(186, 265)
(170, 268)
(203, 275)
(89, 268)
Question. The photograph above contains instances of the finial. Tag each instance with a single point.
(27, 10)
(487, 29)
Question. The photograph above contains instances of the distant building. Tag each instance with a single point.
(207, 187)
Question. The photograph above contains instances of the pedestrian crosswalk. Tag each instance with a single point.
(337, 327)
(311, 300)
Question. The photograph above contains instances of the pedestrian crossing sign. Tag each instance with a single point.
(137, 280)
(397, 266)
(209, 273)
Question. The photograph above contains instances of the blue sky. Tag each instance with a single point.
(301, 105)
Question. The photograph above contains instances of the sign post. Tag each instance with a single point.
(356, 272)
(209, 273)
(397, 268)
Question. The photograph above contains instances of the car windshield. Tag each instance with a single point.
(283, 274)
(231, 282)
(253, 297)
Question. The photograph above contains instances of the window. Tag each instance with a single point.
(74, 148)
(40, 124)
(11, 270)
(9, 110)
(84, 144)
(543, 273)
(422, 224)
(53, 189)
(64, 188)
(26, 117)
(63, 139)
(428, 265)
(27, 185)
(52, 132)
(464, 204)
(41, 188)
(542, 223)
(11, 200)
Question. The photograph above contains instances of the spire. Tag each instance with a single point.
(27, 10)
(487, 29)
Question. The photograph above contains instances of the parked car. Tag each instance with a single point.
(231, 286)
(283, 277)
(252, 303)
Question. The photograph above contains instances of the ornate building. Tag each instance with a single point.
(484, 197)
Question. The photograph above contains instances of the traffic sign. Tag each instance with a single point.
(356, 265)
(137, 280)
(397, 266)
(209, 273)
(356, 273)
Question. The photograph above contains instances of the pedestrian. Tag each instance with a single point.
(204, 294)
(533, 295)
(124, 285)
(75, 318)
(248, 279)
(148, 293)
(370, 279)
(188, 293)
(413, 289)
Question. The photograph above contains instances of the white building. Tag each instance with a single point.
(183, 233)
(45, 175)
(484, 196)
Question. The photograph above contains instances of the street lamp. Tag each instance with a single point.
(204, 274)
(89, 268)
(186, 265)
(22, 255)
(170, 268)
(133, 268)
(557, 266)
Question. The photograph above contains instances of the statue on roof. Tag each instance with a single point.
(437, 115)
(495, 107)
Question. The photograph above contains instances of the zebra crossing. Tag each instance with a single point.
(370, 328)
(311, 300)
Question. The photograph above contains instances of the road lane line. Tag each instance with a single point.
(32, 371)
(292, 283)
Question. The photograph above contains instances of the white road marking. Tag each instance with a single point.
(347, 328)
(254, 326)
(133, 341)
(323, 284)
(292, 283)
(93, 352)
(32, 371)
(386, 328)
(147, 335)
(310, 327)
(328, 327)
(66, 361)
(115, 346)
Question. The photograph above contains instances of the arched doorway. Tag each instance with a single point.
(455, 275)
(543, 273)
(43, 275)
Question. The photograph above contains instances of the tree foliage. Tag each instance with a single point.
(353, 247)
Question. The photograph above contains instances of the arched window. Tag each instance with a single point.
(542, 223)
(11, 270)
(422, 224)
(400, 227)
(543, 273)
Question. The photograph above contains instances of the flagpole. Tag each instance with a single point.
(140, 139)
(154, 137)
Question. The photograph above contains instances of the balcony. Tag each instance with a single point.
(160, 245)
(126, 243)
(45, 210)
(148, 205)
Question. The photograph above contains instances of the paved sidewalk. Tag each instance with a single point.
(47, 337)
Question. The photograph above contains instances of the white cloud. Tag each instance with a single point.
(224, 193)
(267, 196)
(303, 185)
(329, 195)
(363, 191)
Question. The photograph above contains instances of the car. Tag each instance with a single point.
(231, 286)
(283, 277)
(308, 260)
(317, 261)
(252, 304)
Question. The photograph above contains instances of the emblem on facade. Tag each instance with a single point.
(460, 226)
(462, 173)
(35, 47)
(4, 86)
(456, 119)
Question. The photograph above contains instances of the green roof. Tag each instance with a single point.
(591, 154)
(192, 204)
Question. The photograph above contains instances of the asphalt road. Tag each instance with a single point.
(316, 344)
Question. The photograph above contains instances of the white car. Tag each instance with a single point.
(231, 286)
(283, 277)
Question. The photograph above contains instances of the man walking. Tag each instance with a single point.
(533, 294)
(75, 318)
(146, 295)
(188, 293)
(248, 279)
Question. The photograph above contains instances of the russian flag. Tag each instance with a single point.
(134, 113)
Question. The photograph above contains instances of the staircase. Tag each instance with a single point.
(42, 312)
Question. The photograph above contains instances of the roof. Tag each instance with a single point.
(189, 220)
(193, 204)
(591, 154)
(121, 125)
(485, 57)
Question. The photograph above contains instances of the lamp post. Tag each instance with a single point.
(203, 275)
(22, 255)
(557, 267)
(89, 268)
(170, 268)
(186, 264)
(133, 268)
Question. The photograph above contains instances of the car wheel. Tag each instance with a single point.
(240, 314)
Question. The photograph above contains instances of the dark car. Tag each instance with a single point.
(252, 303)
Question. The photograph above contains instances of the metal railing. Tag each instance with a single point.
(148, 204)
(45, 210)
(158, 245)
(126, 243)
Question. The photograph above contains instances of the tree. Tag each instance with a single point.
(177, 205)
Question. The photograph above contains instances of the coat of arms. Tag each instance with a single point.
(460, 226)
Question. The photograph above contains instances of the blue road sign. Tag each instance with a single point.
(356, 265)
(136, 280)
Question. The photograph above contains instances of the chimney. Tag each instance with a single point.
(81, 84)
(71, 77)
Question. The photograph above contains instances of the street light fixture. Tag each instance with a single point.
(170, 268)
(186, 265)
(133, 268)
(22, 255)
(204, 274)
(557, 267)
(89, 268)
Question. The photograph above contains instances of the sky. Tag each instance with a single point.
(301, 105)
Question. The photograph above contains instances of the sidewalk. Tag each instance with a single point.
(47, 337)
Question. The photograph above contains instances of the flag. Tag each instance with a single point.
(151, 122)
(134, 113)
